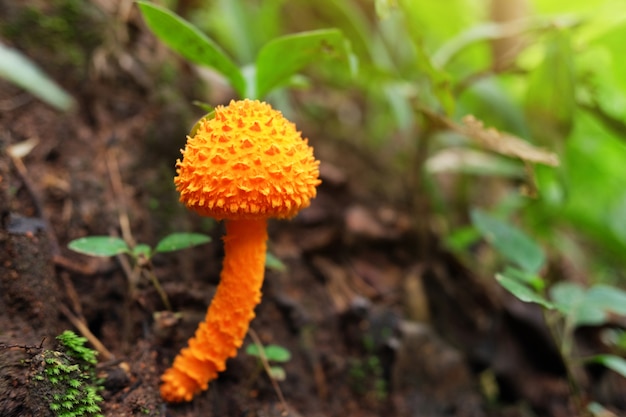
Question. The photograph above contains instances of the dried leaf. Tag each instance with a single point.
(504, 143)
(493, 140)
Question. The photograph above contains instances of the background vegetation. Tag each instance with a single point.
(498, 126)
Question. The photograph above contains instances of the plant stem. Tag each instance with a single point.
(564, 342)
(157, 285)
(266, 366)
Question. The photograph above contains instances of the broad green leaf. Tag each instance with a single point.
(99, 246)
(588, 306)
(273, 353)
(284, 57)
(607, 298)
(509, 241)
(532, 280)
(550, 100)
(615, 363)
(178, 241)
(21, 71)
(191, 43)
(272, 262)
(571, 300)
(277, 353)
(522, 291)
(252, 350)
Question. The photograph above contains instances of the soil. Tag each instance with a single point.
(379, 318)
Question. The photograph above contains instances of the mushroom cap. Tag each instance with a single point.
(248, 162)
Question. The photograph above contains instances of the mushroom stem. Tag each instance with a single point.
(228, 316)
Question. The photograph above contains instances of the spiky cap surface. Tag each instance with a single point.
(248, 162)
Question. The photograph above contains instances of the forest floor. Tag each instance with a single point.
(379, 320)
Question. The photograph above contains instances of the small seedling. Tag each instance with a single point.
(367, 374)
(273, 353)
(566, 305)
(140, 255)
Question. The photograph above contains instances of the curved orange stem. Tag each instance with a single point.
(228, 316)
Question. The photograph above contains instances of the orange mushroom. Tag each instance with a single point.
(246, 164)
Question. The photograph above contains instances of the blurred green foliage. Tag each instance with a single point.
(567, 305)
(550, 72)
(544, 150)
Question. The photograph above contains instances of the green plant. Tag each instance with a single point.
(367, 375)
(566, 305)
(276, 63)
(141, 254)
(21, 71)
(272, 353)
(64, 380)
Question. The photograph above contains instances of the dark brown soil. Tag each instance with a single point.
(380, 320)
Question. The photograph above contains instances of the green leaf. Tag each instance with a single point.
(177, 241)
(191, 43)
(608, 298)
(597, 410)
(588, 307)
(571, 300)
(252, 350)
(209, 116)
(532, 280)
(272, 262)
(283, 57)
(523, 292)
(99, 246)
(21, 71)
(278, 373)
(612, 362)
(509, 241)
(273, 353)
(461, 239)
(276, 353)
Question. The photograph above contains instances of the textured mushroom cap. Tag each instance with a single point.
(248, 162)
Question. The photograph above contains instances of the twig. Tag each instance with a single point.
(157, 285)
(84, 330)
(118, 190)
(70, 265)
(266, 366)
(27, 348)
(71, 292)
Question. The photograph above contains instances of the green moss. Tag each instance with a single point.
(64, 380)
